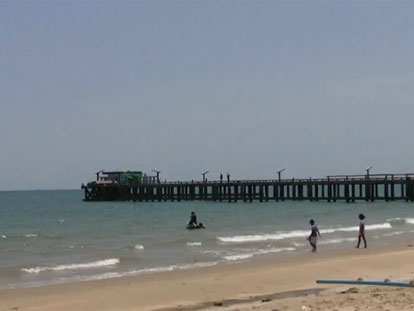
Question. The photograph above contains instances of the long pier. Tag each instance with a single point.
(348, 188)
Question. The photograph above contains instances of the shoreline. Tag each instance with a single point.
(281, 256)
(275, 253)
(201, 287)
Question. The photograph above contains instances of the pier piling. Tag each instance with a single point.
(348, 188)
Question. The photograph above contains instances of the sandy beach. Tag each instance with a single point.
(264, 284)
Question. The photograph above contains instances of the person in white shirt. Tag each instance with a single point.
(313, 237)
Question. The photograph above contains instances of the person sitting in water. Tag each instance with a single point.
(193, 220)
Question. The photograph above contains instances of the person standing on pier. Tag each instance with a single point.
(361, 231)
(221, 177)
(228, 177)
(313, 237)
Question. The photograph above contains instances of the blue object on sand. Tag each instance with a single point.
(376, 283)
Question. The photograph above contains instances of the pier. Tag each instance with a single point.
(347, 188)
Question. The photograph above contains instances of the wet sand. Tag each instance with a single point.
(264, 284)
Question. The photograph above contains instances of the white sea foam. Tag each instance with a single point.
(32, 235)
(295, 234)
(139, 247)
(3, 236)
(111, 275)
(194, 243)
(385, 225)
(216, 253)
(87, 265)
(337, 241)
(174, 267)
(101, 276)
(112, 262)
(400, 220)
(392, 233)
(244, 256)
(263, 237)
(238, 257)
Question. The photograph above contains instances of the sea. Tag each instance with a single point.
(50, 237)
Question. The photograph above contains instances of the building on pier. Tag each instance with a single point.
(123, 178)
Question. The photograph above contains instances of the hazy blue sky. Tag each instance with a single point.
(245, 87)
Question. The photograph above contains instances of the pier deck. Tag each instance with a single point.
(348, 188)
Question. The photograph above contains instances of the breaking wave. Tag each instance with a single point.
(32, 235)
(295, 234)
(337, 241)
(139, 247)
(235, 257)
(87, 265)
(401, 221)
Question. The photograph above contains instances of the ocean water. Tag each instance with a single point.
(49, 237)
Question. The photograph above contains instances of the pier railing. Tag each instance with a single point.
(349, 188)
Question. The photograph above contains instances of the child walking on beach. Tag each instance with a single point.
(313, 238)
(361, 230)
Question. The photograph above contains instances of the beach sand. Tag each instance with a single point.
(264, 284)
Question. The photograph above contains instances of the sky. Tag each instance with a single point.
(245, 87)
